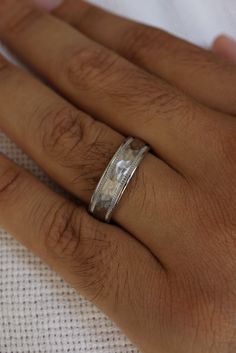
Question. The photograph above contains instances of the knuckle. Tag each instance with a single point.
(60, 130)
(62, 237)
(89, 65)
(10, 182)
(136, 42)
(97, 263)
(75, 140)
(170, 101)
(84, 247)
(164, 102)
(93, 155)
(140, 40)
(21, 18)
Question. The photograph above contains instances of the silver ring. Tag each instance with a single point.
(116, 178)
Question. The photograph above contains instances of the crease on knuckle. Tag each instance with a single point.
(99, 270)
(169, 101)
(96, 261)
(89, 252)
(22, 18)
(10, 181)
(90, 65)
(87, 249)
(160, 101)
(140, 40)
(95, 155)
(61, 131)
(75, 141)
(62, 238)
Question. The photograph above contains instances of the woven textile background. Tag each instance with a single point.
(39, 312)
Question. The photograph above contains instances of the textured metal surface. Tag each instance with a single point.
(116, 178)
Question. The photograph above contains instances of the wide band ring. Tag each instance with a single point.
(116, 178)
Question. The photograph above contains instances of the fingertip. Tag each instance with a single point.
(218, 42)
(222, 41)
(225, 47)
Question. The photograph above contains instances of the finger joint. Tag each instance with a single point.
(141, 41)
(10, 182)
(90, 65)
(62, 237)
(75, 141)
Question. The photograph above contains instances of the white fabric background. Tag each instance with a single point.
(39, 313)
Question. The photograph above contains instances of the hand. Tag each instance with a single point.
(165, 270)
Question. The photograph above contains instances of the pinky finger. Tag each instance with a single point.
(99, 260)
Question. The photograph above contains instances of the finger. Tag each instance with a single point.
(195, 70)
(225, 47)
(48, 5)
(102, 262)
(74, 149)
(104, 84)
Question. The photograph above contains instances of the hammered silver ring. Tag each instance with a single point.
(116, 178)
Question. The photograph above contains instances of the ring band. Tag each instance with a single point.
(116, 178)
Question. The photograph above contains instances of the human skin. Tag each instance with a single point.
(164, 270)
(225, 47)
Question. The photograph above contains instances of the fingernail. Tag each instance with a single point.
(48, 5)
(225, 46)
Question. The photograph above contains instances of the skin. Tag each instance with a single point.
(225, 47)
(164, 271)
